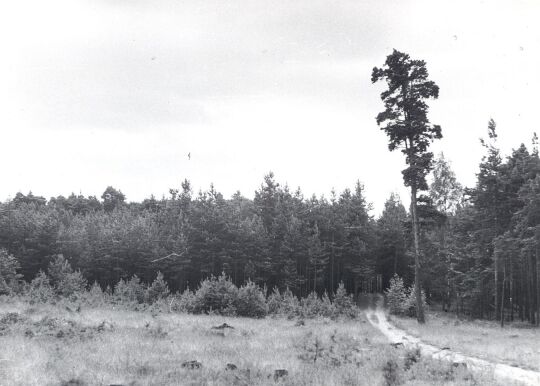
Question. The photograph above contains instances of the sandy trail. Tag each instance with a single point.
(501, 372)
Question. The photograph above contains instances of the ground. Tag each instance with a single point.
(62, 345)
(516, 344)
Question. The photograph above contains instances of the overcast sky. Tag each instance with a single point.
(118, 92)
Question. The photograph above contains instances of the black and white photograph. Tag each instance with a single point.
(269, 192)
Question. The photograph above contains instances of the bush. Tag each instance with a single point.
(290, 305)
(40, 289)
(327, 308)
(130, 291)
(400, 299)
(216, 295)
(63, 279)
(344, 303)
(158, 289)
(95, 295)
(274, 302)
(396, 296)
(10, 280)
(251, 301)
(410, 302)
(285, 303)
(313, 306)
(185, 302)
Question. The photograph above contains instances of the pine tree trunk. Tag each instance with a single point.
(537, 282)
(496, 272)
(418, 291)
(502, 300)
(395, 260)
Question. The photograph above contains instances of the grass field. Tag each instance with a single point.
(516, 344)
(53, 345)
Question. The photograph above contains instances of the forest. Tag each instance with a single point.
(478, 246)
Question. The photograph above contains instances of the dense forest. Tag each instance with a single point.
(479, 246)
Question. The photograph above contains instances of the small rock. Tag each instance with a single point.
(60, 334)
(231, 366)
(459, 364)
(396, 345)
(280, 373)
(300, 323)
(74, 382)
(222, 327)
(445, 348)
(103, 326)
(192, 365)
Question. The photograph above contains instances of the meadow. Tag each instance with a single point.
(77, 344)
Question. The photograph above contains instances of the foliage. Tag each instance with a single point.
(95, 296)
(478, 255)
(40, 289)
(216, 294)
(343, 302)
(132, 290)
(405, 122)
(65, 281)
(445, 191)
(158, 289)
(313, 306)
(402, 300)
(396, 296)
(251, 301)
(10, 279)
(185, 302)
(409, 306)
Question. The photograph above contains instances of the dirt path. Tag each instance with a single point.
(501, 372)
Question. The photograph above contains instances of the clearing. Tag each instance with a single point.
(60, 345)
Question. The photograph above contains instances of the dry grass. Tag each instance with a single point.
(516, 344)
(50, 345)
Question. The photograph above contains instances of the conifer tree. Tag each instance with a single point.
(405, 121)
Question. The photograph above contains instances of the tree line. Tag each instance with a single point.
(475, 250)
(478, 246)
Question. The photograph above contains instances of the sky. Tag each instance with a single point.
(119, 92)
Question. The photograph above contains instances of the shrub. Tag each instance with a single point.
(312, 306)
(63, 279)
(283, 303)
(40, 289)
(400, 299)
(130, 291)
(95, 295)
(396, 296)
(274, 302)
(216, 295)
(344, 303)
(309, 306)
(290, 305)
(158, 289)
(410, 302)
(327, 309)
(10, 280)
(185, 302)
(251, 301)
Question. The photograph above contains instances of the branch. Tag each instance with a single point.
(169, 255)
